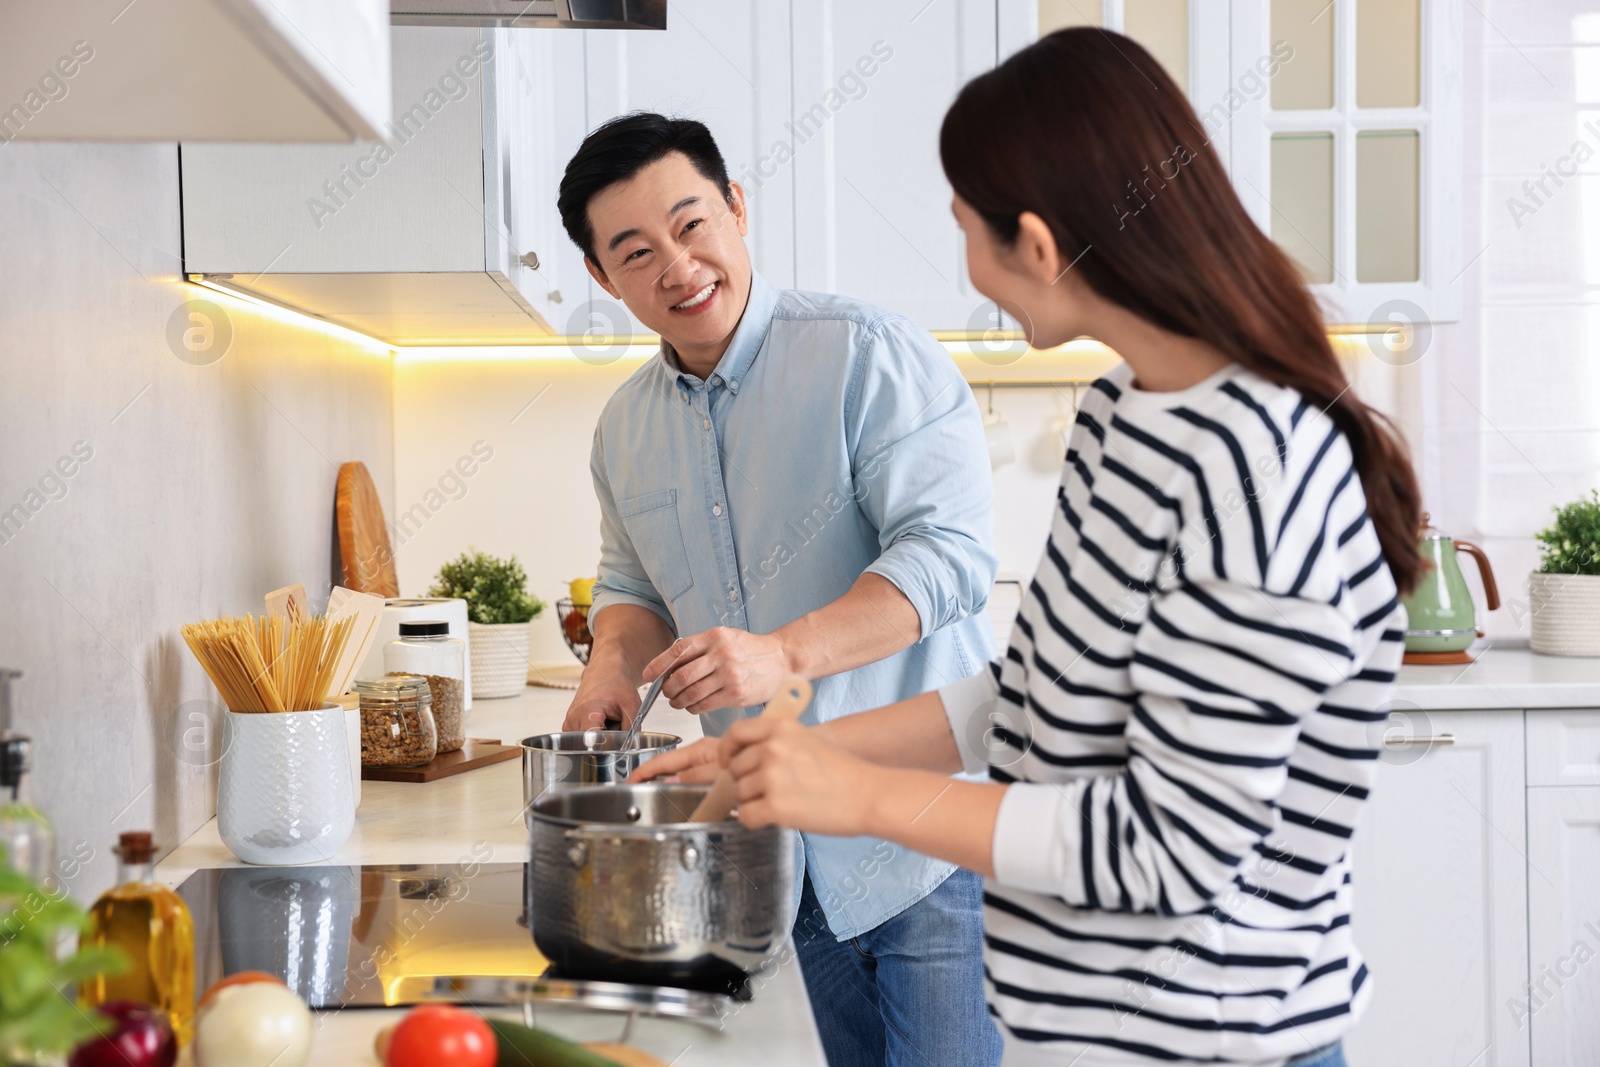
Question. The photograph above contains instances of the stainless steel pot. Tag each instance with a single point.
(574, 758)
(622, 889)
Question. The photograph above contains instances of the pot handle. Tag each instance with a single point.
(1490, 590)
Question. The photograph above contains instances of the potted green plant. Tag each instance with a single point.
(39, 1017)
(499, 608)
(1564, 593)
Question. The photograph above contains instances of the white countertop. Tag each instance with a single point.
(1502, 678)
(446, 820)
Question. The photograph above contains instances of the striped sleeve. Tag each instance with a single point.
(1223, 674)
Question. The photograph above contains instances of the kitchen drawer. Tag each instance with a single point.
(1564, 747)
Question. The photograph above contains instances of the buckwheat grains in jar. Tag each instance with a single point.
(397, 726)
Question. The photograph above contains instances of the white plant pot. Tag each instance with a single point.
(285, 794)
(1564, 610)
(499, 654)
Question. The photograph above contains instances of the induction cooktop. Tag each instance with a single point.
(368, 936)
(392, 934)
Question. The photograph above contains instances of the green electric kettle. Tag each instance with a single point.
(1439, 610)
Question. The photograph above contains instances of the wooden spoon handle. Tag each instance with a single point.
(792, 698)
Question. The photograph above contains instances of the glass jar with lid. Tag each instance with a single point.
(427, 649)
(397, 728)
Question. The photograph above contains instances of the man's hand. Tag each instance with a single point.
(601, 695)
(790, 775)
(722, 668)
(692, 763)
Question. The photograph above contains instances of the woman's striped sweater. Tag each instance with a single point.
(1189, 715)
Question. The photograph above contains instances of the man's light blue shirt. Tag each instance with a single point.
(832, 439)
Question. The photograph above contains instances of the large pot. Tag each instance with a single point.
(570, 759)
(622, 889)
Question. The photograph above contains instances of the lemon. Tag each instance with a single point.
(581, 590)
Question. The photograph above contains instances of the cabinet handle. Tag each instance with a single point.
(530, 260)
(1435, 739)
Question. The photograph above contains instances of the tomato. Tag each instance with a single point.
(438, 1035)
(242, 978)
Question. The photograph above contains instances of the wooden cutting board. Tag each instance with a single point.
(364, 550)
(476, 753)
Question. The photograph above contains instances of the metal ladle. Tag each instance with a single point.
(631, 741)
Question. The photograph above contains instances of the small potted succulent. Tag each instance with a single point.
(499, 608)
(1564, 593)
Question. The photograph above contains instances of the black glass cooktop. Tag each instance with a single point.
(370, 936)
(362, 936)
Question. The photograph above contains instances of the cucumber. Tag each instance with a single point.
(522, 1046)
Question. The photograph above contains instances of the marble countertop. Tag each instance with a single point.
(479, 813)
(1502, 678)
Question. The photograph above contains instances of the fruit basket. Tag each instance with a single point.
(575, 628)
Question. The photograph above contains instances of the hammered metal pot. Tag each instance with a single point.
(622, 889)
(570, 759)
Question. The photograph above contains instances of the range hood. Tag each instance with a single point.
(533, 14)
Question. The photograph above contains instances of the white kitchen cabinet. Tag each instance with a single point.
(727, 66)
(872, 83)
(1441, 897)
(1339, 122)
(176, 70)
(1564, 748)
(424, 238)
(1561, 1006)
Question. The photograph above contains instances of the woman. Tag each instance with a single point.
(1184, 728)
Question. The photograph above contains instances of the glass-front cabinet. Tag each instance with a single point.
(1339, 120)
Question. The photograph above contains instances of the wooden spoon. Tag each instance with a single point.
(790, 702)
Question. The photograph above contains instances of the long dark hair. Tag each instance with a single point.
(1102, 145)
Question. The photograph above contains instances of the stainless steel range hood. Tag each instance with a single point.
(533, 14)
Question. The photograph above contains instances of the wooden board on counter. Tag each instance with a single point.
(477, 752)
(364, 551)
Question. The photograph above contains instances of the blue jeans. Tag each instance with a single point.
(908, 992)
(1332, 1056)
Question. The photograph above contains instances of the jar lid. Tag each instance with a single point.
(427, 628)
(395, 687)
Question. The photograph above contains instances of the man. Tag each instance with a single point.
(797, 484)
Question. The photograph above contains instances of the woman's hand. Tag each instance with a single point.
(692, 763)
(789, 775)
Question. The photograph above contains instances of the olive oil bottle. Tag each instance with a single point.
(151, 924)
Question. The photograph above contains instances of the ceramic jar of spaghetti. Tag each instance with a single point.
(285, 791)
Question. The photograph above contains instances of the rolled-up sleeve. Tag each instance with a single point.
(921, 473)
(620, 577)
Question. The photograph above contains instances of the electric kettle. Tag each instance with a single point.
(1441, 618)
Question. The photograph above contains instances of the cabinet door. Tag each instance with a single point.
(872, 83)
(1562, 1004)
(523, 162)
(728, 66)
(1564, 748)
(1441, 895)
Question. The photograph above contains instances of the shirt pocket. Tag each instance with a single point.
(652, 523)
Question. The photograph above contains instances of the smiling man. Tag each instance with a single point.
(796, 484)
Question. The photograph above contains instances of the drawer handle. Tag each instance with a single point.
(1435, 739)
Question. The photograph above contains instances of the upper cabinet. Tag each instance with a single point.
(1340, 123)
(442, 233)
(1352, 159)
(872, 83)
(176, 70)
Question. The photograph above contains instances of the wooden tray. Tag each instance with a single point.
(476, 753)
(1436, 659)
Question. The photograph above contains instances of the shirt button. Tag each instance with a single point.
(716, 509)
(733, 593)
(706, 423)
